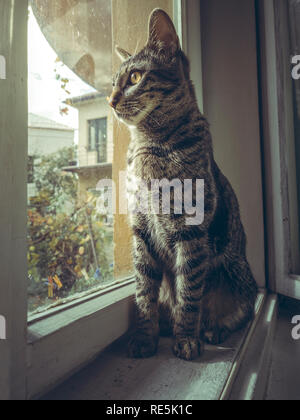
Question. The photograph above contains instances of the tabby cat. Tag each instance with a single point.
(192, 281)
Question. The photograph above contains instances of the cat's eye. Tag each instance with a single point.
(135, 77)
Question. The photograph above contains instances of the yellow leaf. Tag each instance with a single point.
(58, 282)
(77, 269)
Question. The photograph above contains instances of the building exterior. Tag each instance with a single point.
(95, 143)
(45, 137)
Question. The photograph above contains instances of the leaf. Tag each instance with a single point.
(64, 111)
(77, 269)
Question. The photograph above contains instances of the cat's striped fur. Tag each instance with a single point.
(194, 281)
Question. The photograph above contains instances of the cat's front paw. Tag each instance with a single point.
(188, 348)
(142, 346)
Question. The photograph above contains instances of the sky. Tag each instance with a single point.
(45, 94)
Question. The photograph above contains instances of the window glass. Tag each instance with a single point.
(92, 134)
(70, 244)
(73, 247)
(98, 138)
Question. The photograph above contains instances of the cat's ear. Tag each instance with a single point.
(122, 54)
(162, 33)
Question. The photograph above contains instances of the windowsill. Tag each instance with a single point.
(122, 286)
(65, 342)
(113, 376)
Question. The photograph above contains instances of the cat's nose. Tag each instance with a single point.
(114, 98)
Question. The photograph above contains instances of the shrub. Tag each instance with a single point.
(68, 244)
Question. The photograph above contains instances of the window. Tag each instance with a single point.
(73, 252)
(61, 70)
(70, 244)
(98, 138)
(76, 297)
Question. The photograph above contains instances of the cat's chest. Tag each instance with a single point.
(138, 186)
(143, 168)
(147, 167)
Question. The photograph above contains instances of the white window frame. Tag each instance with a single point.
(278, 177)
(57, 343)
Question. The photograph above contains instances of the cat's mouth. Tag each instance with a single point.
(122, 115)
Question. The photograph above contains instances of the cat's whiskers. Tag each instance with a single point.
(147, 114)
(135, 105)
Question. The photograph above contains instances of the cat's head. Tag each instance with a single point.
(151, 86)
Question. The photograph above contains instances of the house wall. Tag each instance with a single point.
(230, 86)
(90, 111)
(43, 141)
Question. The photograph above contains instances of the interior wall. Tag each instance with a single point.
(230, 93)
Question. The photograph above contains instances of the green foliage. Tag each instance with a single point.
(61, 235)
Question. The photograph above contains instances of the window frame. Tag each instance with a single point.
(13, 220)
(278, 185)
